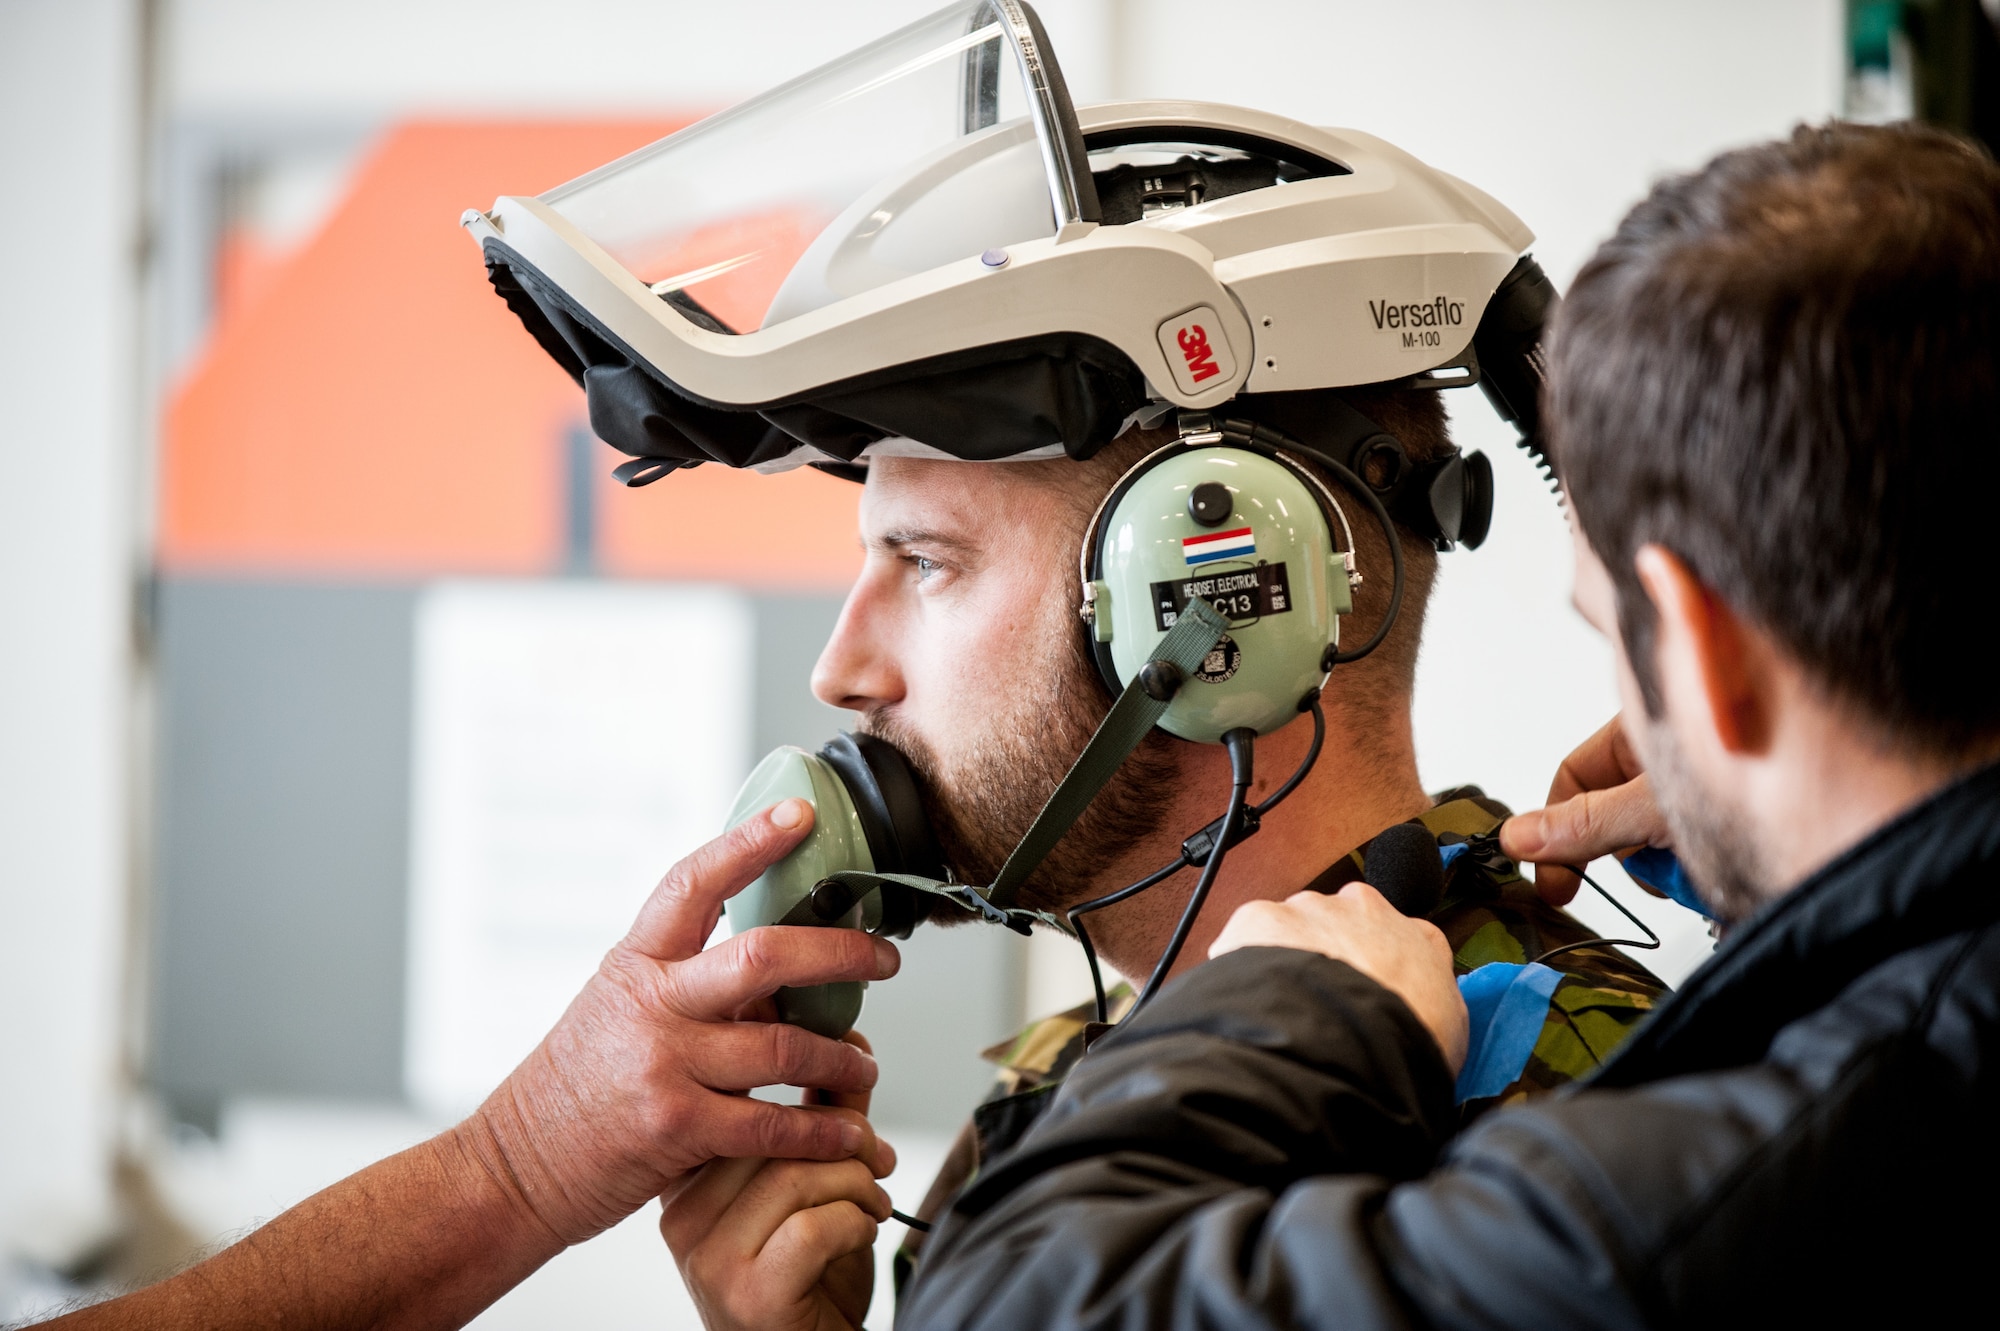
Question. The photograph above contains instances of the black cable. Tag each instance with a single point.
(1653, 939)
(1305, 764)
(1242, 757)
(1270, 438)
(1076, 913)
(921, 1226)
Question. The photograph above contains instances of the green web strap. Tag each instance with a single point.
(1135, 713)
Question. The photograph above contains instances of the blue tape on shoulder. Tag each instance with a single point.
(1662, 869)
(1508, 1004)
(1451, 852)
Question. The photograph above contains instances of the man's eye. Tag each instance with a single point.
(925, 567)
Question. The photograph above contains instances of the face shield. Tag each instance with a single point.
(933, 144)
(923, 247)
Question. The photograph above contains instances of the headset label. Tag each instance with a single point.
(1221, 663)
(1196, 350)
(1241, 595)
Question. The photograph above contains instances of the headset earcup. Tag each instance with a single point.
(890, 805)
(1477, 516)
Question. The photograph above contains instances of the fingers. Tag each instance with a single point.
(856, 1100)
(681, 912)
(740, 1126)
(717, 984)
(809, 1241)
(741, 1056)
(696, 1205)
(690, 1209)
(1599, 802)
(761, 1253)
(783, 1188)
(1358, 926)
(1604, 760)
(1594, 823)
(1254, 924)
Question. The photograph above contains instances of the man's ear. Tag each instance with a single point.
(1708, 659)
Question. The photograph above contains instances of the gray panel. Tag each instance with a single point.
(280, 919)
(791, 629)
(960, 989)
(282, 871)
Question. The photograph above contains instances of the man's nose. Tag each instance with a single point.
(857, 669)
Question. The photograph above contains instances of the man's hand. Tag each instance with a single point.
(1409, 958)
(782, 1245)
(1601, 803)
(641, 1079)
(637, 1084)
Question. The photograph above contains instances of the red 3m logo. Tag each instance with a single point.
(1196, 346)
(1200, 356)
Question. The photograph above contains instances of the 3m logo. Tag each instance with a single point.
(1200, 356)
(1197, 350)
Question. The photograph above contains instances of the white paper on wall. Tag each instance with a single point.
(571, 740)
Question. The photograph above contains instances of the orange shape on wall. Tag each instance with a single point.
(374, 409)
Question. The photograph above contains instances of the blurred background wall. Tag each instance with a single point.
(347, 709)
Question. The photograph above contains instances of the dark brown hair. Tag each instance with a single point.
(1782, 368)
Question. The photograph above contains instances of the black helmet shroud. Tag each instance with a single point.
(995, 402)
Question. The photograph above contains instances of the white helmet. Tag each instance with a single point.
(923, 247)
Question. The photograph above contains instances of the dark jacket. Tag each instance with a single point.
(1805, 1131)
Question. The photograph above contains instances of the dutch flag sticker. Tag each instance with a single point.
(1238, 544)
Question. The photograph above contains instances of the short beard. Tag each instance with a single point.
(982, 786)
(1714, 845)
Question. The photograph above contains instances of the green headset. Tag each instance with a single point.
(1246, 528)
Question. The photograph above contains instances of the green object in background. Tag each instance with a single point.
(1871, 29)
(836, 843)
(1949, 75)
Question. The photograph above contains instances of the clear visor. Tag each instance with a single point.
(932, 145)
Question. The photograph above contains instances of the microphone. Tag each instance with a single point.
(1403, 864)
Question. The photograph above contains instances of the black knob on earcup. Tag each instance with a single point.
(1210, 503)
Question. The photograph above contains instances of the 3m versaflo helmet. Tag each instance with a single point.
(923, 247)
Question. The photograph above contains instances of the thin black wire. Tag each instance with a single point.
(1653, 939)
(1194, 901)
(921, 1226)
(1241, 756)
(1306, 764)
(1270, 438)
(1076, 913)
(1075, 916)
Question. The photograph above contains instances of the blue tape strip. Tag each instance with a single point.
(1508, 1004)
(1662, 869)
(1452, 852)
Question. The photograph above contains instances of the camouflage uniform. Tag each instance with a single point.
(1489, 913)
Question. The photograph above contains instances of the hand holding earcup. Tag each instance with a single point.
(868, 817)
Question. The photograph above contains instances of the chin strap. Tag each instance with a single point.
(1139, 708)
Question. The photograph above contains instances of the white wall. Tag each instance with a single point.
(367, 57)
(68, 134)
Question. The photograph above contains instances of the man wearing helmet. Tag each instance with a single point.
(952, 648)
(1022, 324)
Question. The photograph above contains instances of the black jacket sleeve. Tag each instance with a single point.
(1261, 1149)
